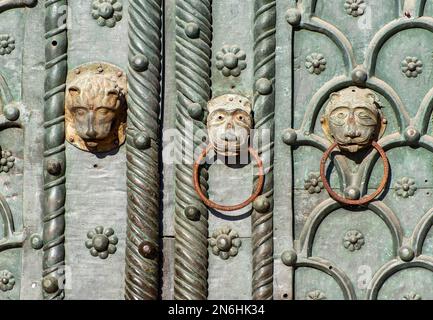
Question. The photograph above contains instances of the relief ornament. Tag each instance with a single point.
(95, 112)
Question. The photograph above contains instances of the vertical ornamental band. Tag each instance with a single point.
(54, 149)
(264, 106)
(193, 54)
(142, 239)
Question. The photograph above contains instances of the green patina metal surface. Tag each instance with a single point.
(129, 224)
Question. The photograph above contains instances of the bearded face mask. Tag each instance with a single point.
(229, 123)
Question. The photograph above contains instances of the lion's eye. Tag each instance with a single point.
(80, 111)
(220, 117)
(341, 115)
(364, 115)
(103, 111)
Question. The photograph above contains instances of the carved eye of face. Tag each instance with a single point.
(103, 111)
(338, 116)
(365, 117)
(80, 111)
(242, 118)
(217, 117)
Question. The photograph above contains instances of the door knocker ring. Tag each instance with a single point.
(365, 199)
(211, 204)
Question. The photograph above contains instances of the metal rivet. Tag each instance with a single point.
(142, 141)
(147, 250)
(192, 30)
(359, 75)
(262, 204)
(36, 241)
(139, 63)
(289, 258)
(11, 113)
(293, 16)
(352, 193)
(412, 135)
(406, 254)
(195, 111)
(50, 284)
(54, 167)
(289, 137)
(264, 86)
(192, 213)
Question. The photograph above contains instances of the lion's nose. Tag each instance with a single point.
(351, 130)
(352, 133)
(91, 132)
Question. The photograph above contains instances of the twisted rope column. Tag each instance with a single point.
(142, 146)
(54, 149)
(264, 103)
(193, 53)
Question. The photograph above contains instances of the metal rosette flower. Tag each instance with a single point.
(316, 295)
(107, 12)
(231, 60)
(101, 242)
(313, 184)
(405, 187)
(411, 67)
(7, 161)
(7, 44)
(225, 243)
(315, 63)
(353, 240)
(7, 280)
(355, 8)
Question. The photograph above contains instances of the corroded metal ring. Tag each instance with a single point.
(365, 199)
(217, 206)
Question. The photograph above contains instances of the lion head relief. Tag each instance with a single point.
(96, 108)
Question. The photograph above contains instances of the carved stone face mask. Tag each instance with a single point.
(229, 123)
(96, 110)
(353, 119)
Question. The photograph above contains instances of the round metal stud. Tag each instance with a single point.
(352, 193)
(293, 16)
(142, 141)
(289, 136)
(289, 258)
(406, 254)
(261, 204)
(36, 241)
(11, 113)
(54, 167)
(412, 135)
(147, 250)
(50, 284)
(264, 86)
(139, 63)
(195, 111)
(100, 242)
(192, 30)
(224, 242)
(192, 213)
(359, 75)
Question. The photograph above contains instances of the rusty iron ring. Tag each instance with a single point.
(217, 206)
(365, 199)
